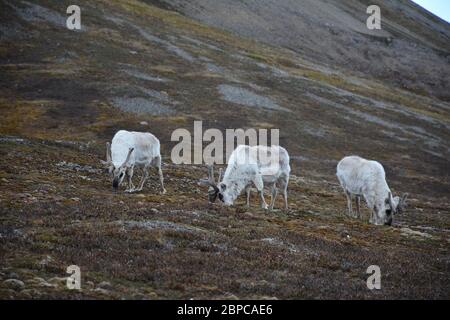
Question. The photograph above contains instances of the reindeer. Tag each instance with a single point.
(129, 150)
(366, 178)
(248, 165)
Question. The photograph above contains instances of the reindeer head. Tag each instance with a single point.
(109, 166)
(214, 189)
(117, 173)
(394, 205)
(397, 204)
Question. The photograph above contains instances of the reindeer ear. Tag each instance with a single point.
(402, 202)
(404, 197)
(108, 152)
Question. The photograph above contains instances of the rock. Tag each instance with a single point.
(409, 232)
(102, 291)
(12, 275)
(268, 298)
(41, 282)
(7, 293)
(143, 123)
(140, 296)
(45, 284)
(14, 284)
(58, 281)
(37, 280)
(30, 293)
(44, 262)
(105, 285)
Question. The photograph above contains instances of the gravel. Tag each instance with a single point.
(141, 105)
(248, 98)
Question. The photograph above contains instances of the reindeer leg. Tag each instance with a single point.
(161, 178)
(349, 203)
(144, 177)
(283, 185)
(129, 174)
(260, 187)
(273, 196)
(358, 207)
(247, 190)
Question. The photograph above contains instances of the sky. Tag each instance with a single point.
(440, 8)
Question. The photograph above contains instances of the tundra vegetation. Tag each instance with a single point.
(141, 66)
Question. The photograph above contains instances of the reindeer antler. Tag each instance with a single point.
(108, 161)
(128, 157)
(210, 181)
(108, 152)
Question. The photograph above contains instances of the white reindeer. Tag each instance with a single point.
(361, 177)
(258, 165)
(129, 150)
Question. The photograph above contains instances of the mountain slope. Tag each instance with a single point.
(411, 50)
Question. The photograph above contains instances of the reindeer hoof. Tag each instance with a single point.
(129, 190)
(163, 191)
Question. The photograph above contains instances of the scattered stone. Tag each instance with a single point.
(140, 296)
(144, 76)
(30, 293)
(102, 291)
(141, 105)
(409, 232)
(7, 293)
(143, 123)
(248, 98)
(58, 281)
(14, 284)
(37, 280)
(46, 284)
(158, 224)
(77, 167)
(44, 262)
(105, 285)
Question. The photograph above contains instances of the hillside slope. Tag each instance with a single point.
(140, 65)
(411, 51)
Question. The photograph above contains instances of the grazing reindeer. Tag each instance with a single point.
(129, 150)
(245, 167)
(366, 178)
